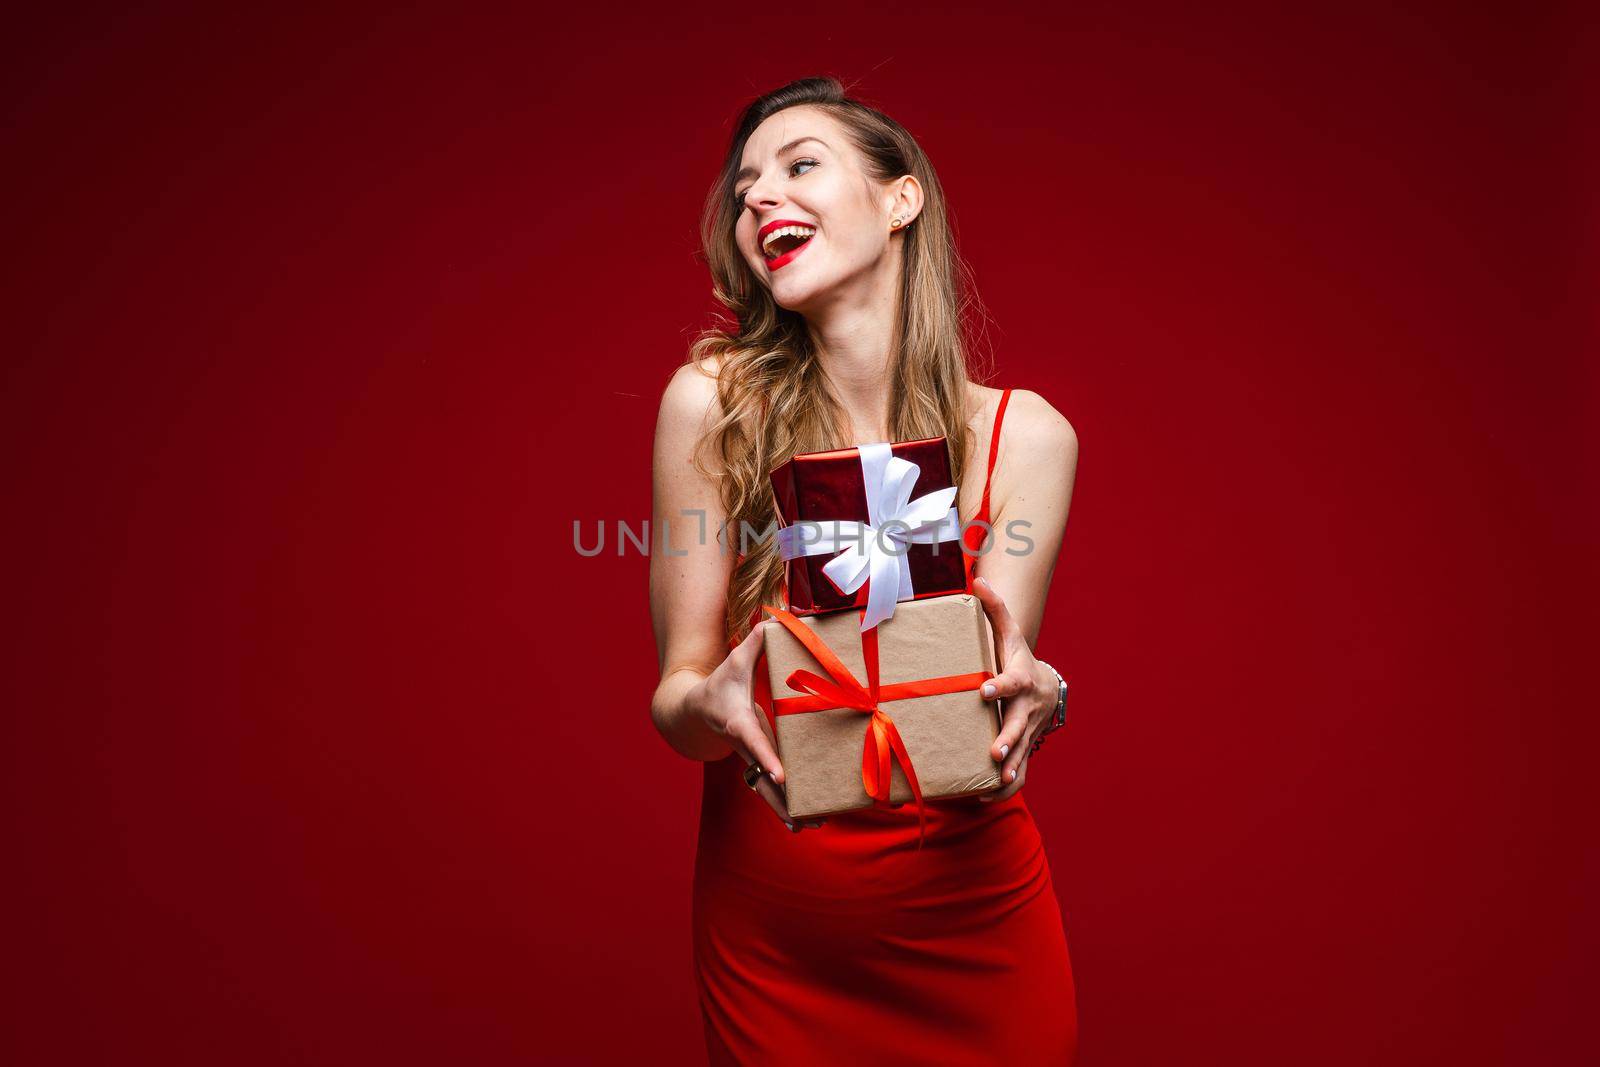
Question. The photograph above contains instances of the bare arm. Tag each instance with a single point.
(703, 706)
(1033, 488)
(688, 569)
(1033, 494)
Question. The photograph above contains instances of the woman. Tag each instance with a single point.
(838, 940)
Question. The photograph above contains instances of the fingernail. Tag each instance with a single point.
(1011, 775)
(790, 825)
(1003, 750)
(773, 776)
(983, 582)
(988, 689)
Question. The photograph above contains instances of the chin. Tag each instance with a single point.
(796, 302)
(794, 292)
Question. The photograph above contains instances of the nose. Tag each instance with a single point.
(761, 193)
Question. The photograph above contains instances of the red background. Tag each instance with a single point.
(323, 745)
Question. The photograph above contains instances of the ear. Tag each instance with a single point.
(905, 200)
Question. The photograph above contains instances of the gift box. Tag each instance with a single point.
(888, 715)
(869, 526)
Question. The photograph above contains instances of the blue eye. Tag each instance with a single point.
(738, 198)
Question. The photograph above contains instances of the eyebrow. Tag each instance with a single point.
(752, 172)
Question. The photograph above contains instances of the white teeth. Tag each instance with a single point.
(797, 231)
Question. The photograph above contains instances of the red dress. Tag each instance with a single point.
(847, 945)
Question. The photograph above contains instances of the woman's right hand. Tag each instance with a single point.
(723, 700)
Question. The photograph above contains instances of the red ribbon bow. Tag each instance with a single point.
(841, 690)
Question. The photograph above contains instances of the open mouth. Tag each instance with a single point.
(784, 240)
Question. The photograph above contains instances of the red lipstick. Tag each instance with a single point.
(774, 264)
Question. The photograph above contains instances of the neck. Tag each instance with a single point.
(855, 346)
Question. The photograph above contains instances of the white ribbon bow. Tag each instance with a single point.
(875, 551)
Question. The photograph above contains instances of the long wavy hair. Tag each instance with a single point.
(775, 396)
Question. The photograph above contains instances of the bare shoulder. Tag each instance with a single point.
(1038, 461)
(1034, 423)
(690, 402)
(1031, 423)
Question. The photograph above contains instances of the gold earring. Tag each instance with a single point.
(895, 223)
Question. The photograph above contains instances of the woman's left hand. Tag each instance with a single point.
(1027, 686)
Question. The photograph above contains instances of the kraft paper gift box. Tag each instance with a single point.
(903, 486)
(832, 754)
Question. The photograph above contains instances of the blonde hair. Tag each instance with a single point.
(774, 394)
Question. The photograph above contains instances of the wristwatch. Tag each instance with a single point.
(1058, 718)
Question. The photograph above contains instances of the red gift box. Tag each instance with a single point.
(829, 487)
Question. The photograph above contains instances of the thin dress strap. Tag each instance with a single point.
(976, 535)
(994, 451)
